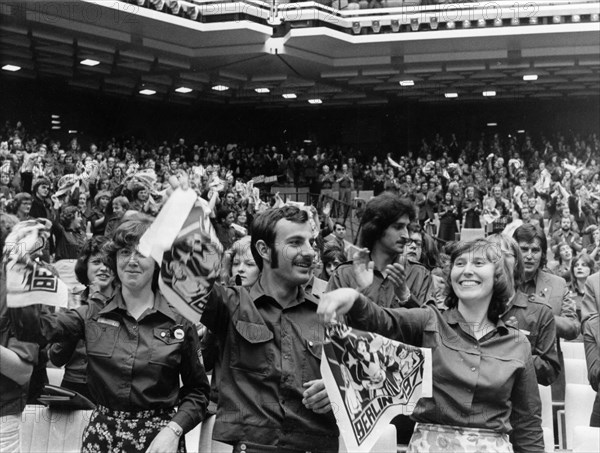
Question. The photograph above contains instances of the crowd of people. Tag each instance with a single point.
(534, 274)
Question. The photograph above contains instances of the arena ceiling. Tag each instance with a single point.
(313, 56)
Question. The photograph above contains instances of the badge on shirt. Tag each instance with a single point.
(110, 322)
(177, 332)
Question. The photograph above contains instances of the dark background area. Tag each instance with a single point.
(396, 127)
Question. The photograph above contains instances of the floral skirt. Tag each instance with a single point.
(123, 431)
(430, 438)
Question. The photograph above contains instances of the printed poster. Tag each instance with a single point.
(370, 380)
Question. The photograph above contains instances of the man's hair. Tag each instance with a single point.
(263, 228)
(509, 245)
(528, 233)
(67, 215)
(340, 224)
(91, 247)
(380, 213)
(222, 213)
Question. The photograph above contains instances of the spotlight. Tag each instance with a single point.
(556, 19)
(481, 23)
(595, 17)
(515, 21)
(376, 26)
(450, 25)
(414, 24)
(533, 21)
(530, 77)
(498, 22)
(356, 27)
(450, 95)
(466, 24)
(433, 22)
(158, 4)
(395, 25)
(192, 12)
(174, 6)
(489, 94)
(575, 18)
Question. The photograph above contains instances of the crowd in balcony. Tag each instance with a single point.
(536, 196)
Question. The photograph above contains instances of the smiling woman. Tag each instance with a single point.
(483, 372)
(139, 350)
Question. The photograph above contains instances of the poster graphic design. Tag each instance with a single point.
(371, 379)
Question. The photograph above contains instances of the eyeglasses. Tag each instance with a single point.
(417, 242)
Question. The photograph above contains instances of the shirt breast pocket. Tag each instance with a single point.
(311, 368)
(166, 349)
(254, 349)
(101, 339)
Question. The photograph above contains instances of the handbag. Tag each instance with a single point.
(61, 398)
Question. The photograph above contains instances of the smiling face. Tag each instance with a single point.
(472, 277)
(135, 271)
(244, 266)
(98, 273)
(294, 253)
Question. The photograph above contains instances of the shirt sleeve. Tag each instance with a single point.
(591, 339)
(525, 418)
(195, 389)
(545, 356)
(60, 353)
(402, 324)
(216, 313)
(567, 323)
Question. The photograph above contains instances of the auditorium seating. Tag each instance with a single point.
(547, 420)
(586, 439)
(572, 349)
(579, 400)
(576, 372)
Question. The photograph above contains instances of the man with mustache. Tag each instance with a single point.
(271, 395)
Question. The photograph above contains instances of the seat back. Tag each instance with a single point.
(572, 349)
(579, 400)
(576, 372)
(51, 430)
(586, 439)
(471, 234)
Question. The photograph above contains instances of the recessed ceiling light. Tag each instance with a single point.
(90, 62)
(492, 124)
(262, 90)
(220, 88)
(530, 77)
(451, 95)
(11, 67)
(147, 92)
(315, 101)
(289, 96)
(407, 83)
(184, 90)
(488, 94)
(521, 131)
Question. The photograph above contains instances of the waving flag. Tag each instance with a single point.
(184, 244)
(370, 380)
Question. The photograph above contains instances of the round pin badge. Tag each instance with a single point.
(178, 334)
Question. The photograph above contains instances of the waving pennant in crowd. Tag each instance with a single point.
(29, 281)
(372, 379)
(184, 243)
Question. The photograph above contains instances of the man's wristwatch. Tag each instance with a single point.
(175, 428)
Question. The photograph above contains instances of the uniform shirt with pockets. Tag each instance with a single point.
(134, 364)
(487, 383)
(268, 353)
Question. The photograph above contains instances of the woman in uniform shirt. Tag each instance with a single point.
(138, 349)
(484, 383)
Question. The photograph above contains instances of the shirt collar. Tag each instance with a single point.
(160, 305)
(257, 292)
(453, 317)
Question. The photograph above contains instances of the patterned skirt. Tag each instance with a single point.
(123, 431)
(431, 438)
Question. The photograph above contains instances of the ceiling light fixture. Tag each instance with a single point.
(450, 25)
(481, 23)
(498, 22)
(414, 24)
(533, 21)
(407, 83)
(356, 27)
(556, 19)
(395, 25)
(11, 68)
(376, 26)
(315, 101)
(530, 77)
(450, 95)
(289, 95)
(147, 92)
(488, 94)
(184, 90)
(515, 21)
(220, 88)
(262, 90)
(466, 24)
(89, 62)
(575, 18)
(521, 131)
(492, 124)
(433, 22)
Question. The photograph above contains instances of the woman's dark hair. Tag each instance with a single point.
(503, 288)
(93, 246)
(263, 228)
(528, 233)
(587, 261)
(67, 214)
(128, 235)
(331, 254)
(380, 212)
